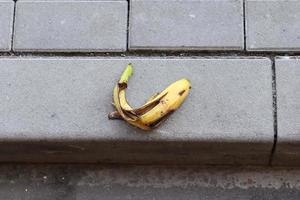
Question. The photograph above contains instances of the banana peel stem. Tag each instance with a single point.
(126, 74)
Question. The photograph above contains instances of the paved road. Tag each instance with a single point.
(91, 182)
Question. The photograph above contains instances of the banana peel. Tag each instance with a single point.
(157, 109)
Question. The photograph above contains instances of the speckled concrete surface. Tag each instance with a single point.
(55, 110)
(91, 182)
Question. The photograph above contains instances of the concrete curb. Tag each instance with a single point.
(55, 110)
(288, 94)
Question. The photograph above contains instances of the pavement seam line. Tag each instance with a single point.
(275, 124)
(244, 24)
(13, 26)
(150, 53)
(128, 24)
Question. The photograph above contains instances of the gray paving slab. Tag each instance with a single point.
(288, 105)
(6, 24)
(188, 25)
(273, 25)
(71, 26)
(55, 109)
(96, 182)
(71, 0)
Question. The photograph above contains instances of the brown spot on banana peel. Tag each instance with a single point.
(122, 86)
(181, 92)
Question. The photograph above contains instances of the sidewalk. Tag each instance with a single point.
(60, 59)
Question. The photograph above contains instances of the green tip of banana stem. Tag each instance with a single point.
(126, 74)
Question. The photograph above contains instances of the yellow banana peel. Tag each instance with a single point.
(155, 110)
